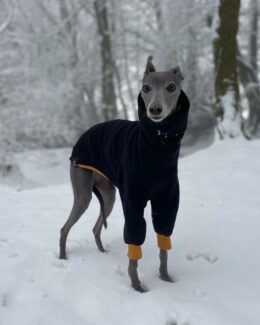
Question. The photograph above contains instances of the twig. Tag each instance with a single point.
(4, 26)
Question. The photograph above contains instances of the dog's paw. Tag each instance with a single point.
(166, 278)
(140, 288)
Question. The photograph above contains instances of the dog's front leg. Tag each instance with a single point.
(164, 267)
(132, 271)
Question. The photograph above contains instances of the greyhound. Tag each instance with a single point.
(140, 159)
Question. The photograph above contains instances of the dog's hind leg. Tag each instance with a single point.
(82, 185)
(106, 193)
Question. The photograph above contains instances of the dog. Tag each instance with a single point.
(140, 158)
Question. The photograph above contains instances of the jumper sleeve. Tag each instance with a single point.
(135, 224)
(165, 204)
(134, 199)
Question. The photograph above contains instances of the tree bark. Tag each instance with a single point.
(70, 32)
(253, 49)
(249, 81)
(158, 14)
(249, 77)
(109, 106)
(227, 101)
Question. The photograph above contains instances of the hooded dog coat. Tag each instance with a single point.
(141, 159)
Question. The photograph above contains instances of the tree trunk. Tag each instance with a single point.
(227, 102)
(70, 33)
(91, 112)
(249, 77)
(249, 80)
(158, 14)
(109, 106)
(253, 34)
(126, 60)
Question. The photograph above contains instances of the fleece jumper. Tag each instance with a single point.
(141, 159)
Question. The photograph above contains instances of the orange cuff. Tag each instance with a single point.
(134, 252)
(164, 242)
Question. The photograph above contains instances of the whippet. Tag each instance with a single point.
(139, 158)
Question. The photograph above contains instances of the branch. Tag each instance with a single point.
(4, 26)
(88, 9)
(47, 13)
(58, 29)
(139, 35)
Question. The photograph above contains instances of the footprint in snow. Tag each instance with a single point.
(13, 255)
(209, 257)
(175, 322)
(199, 293)
(3, 241)
(5, 299)
(119, 271)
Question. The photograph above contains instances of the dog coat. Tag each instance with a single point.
(141, 159)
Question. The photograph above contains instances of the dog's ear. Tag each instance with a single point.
(149, 66)
(177, 72)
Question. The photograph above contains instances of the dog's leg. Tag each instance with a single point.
(163, 266)
(82, 184)
(107, 195)
(132, 271)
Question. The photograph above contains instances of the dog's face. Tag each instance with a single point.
(160, 91)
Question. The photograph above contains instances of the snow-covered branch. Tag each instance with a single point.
(11, 9)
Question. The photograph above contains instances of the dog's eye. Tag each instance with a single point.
(171, 87)
(146, 88)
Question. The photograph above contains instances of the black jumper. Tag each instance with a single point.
(141, 159)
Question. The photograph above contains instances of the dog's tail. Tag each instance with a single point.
(102, 205)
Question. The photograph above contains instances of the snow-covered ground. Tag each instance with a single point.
(215, 259)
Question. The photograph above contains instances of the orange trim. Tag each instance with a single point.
(164, 242)
(92, 168)
(134, 252)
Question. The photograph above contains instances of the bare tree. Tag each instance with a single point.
(158, 14)
(253, 49)
(109, 106)
(227, 102)
(70, 32)
(248, 69)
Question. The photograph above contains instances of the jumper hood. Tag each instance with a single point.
(173, 126)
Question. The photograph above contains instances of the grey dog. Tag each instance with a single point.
(140, 159)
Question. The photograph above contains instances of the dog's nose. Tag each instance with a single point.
(155, 110)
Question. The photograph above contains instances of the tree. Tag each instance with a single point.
(109, 106)
(248, 71)
(227, 101)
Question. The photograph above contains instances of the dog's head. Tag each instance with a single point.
(160, 91)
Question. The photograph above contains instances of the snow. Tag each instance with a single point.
(215, 259)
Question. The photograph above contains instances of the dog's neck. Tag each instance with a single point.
(172, 128)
